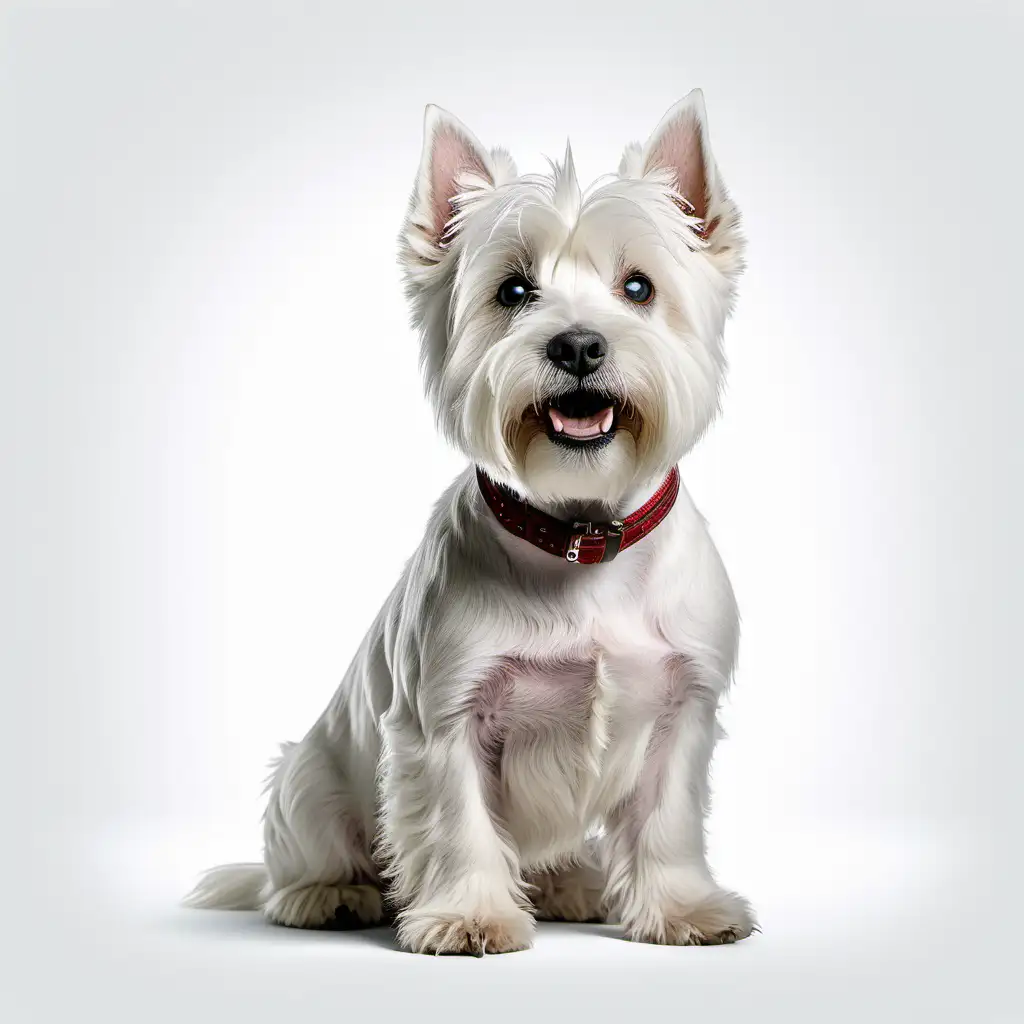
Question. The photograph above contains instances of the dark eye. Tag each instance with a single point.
(514, 291)
(638, 289)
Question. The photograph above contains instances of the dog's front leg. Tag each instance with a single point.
(658, 876)
(455, 875)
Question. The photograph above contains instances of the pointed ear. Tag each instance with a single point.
(452, 161)
(680, 144)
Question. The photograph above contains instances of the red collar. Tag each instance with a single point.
(585, 543)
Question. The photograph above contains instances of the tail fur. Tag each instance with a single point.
(230, 887)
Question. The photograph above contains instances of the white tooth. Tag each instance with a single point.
(556, 421)
(606, 420)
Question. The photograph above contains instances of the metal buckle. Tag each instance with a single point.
(573, 554)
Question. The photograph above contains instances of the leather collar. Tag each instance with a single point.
(580, 542)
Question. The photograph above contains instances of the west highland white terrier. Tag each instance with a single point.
(526, 729)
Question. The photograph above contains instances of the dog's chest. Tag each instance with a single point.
(566, 731)
(611, 662)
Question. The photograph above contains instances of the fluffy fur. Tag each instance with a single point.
(518, 736)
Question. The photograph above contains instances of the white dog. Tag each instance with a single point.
(526, 729)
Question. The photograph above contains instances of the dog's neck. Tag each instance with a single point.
(594, 509)
(586, 532)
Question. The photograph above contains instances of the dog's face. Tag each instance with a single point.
(572, 340)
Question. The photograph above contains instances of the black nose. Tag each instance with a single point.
(578, 351)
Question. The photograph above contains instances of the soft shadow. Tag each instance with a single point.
(251, 926)
(612, 932)
(606, 931)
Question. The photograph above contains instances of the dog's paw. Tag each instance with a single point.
(318, 905)
(714, 919)
(458, 932)
(572, 894)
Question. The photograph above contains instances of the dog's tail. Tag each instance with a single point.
(230, 887)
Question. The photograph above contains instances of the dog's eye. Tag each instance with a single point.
(514, 291)
(638, 289)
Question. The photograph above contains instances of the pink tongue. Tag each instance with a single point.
(591, 426)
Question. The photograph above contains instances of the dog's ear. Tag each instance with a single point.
(680, 144)
(453, 162)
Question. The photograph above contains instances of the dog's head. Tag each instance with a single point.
(571, 340)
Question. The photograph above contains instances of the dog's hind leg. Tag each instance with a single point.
(317, 834)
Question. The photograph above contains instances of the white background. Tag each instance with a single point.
(210, 386)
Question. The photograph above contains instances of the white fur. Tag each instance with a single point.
(524, 735)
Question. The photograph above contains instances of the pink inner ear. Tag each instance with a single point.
(452, 156)
(680, 148)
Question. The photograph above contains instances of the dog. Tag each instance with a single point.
(525, 731)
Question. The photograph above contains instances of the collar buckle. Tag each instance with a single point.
(573, 552)
(599, 543)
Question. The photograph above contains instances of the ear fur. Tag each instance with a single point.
(453, 161)
(681, 145)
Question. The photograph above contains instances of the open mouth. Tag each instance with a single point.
(582, 419)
